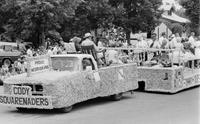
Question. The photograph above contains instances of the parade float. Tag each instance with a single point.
(169, 71)
(60, 81)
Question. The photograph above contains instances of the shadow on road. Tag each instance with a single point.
(166, 93)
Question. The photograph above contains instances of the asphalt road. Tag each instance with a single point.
(140, 108)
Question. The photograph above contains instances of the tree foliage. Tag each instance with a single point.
(136, 15)
(34, 18)
(193, 12)
(90, 15)
(177, 28)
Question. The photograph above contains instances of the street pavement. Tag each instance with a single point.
(140, 108)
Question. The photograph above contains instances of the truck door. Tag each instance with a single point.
(91, 77)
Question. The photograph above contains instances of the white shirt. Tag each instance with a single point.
(29, 53)
(88, 42)
(142, 44)
(100, 44)
(50, 52)
(55, 50)
(112, 55)
(173, 42)
(192, 41)
(156, 44)
(161, 40)
(179, 46)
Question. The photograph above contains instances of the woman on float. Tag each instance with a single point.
(178, 54)
(112, 56)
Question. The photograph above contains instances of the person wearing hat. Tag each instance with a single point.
(88, 42)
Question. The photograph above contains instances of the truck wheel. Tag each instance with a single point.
(66, 109)
(7, 62)
(117, 97)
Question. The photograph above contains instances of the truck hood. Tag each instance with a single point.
(9, 53)
(47, 77)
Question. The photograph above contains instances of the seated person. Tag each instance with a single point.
(88, 42)
(87, 64)
(112, 56)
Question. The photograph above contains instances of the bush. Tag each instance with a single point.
(177, 28)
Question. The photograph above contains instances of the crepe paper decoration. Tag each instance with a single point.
(120, 74)
(68, 88)
(96, 77)
(170, 80)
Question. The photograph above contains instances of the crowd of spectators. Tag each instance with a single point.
(114, 37)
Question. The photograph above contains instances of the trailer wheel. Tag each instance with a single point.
(117, 97)
(66, 109)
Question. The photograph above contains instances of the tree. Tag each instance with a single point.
(177, 28)
(89, 15)
(136, 15)
(34, 18)
(193, 12)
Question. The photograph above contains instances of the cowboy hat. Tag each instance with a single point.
(87, 35)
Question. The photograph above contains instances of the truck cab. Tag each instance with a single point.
(73, 62)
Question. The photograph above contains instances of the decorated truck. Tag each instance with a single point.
(60, 81)
(163, 70)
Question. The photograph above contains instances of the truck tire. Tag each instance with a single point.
(117, 97)
(66, 109)
(7, 61)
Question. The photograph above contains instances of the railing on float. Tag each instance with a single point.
(143, 55)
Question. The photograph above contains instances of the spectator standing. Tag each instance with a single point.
(162, 38)
(29, 52)
(192, 39)
(55, 49)
(22, 47)
(50, 51)
(155, 42)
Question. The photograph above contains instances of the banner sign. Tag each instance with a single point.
(43, 102)
(21, 97)
(21, 90)
(38, 64)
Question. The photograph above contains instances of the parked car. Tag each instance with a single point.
(8, 53)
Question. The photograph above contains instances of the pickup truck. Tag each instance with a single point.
(60, 81)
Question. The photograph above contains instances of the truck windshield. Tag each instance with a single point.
(64, 63)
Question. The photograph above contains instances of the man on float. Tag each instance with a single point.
(88, 42)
